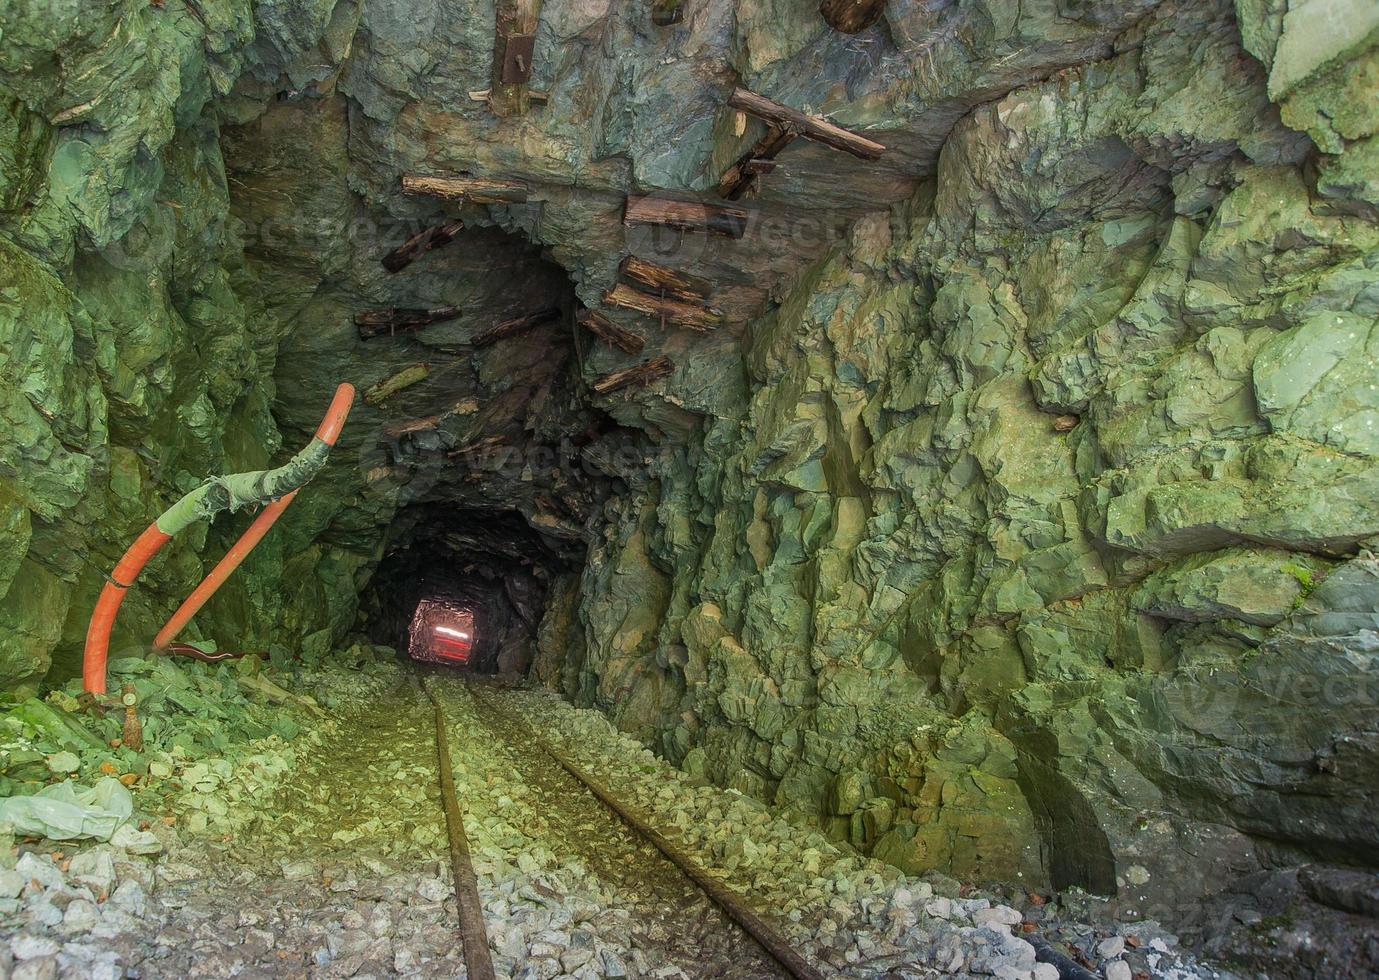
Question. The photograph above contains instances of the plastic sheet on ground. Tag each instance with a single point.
(65, 811)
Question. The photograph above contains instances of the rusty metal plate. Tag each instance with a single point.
(517, 58)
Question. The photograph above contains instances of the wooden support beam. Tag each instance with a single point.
(371, 323)
(399, 429)
(391, 385)
(421, 243)
(852, 16)
(667, 12)
(812, 127)
(695, 316)
(511, 328)
(716, 219)
(514, 43)
(609, 332)
(742, 175)
(478, 190)
(642, 374)
(659, 279)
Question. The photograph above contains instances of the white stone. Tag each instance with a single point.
(27, 946)
(1110, 948)
(940, 908)
(1119, 970)
(1045, 971)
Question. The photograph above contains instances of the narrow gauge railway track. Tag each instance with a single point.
(746, 945)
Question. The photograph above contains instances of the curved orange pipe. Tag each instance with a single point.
(328, 431)
(223, 570)
(146, 545)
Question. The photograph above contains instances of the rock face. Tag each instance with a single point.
(1016, 521)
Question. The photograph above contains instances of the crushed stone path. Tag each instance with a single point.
(344, 871)
(537, 827)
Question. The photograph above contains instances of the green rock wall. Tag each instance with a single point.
(130, 368)
(1026, 533)
(1034, 539)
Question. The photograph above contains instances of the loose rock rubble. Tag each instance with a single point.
(338, 867)
(858, 916)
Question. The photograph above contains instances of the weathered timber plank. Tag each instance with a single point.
(511, 328)
(739, 177)
(661, 279)
(479, 190)
(609, 332)
(691, 315)
(514, 35)
(398, 429)
(391, 385)
(421, 243)
(811, 127)
(371, 323)
(642, 374)
(851, 16)
(717, 219)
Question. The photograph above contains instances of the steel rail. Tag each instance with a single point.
(473, 933)
(732, 904)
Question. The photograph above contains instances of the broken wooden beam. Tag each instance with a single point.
(383, 390)
(695, 316)
(514, 46)
(811, 127)
(421, 243)
(477, 190)
(664, 13)
(642, 374)
(717, 219)
(399, 429)
(511, 328)
(851, 16)
(742, 175)
(660, 279)
(609, 332)
(371, 323)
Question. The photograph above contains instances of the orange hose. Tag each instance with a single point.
(223, 570)
(147, 544)
(328, 431)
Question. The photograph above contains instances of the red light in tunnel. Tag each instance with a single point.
(442, 633)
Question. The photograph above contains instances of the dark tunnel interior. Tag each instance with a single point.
(455, 571)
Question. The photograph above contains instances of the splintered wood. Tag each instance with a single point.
(371, 323)
(660, 279)
(514, 47)
(691, 315)
(810, 127)
(515, 326)
(477, 190)
(642, 374)
(391, 385)
(742, 175)
(609, 332)
(716, 219)
(421, 243)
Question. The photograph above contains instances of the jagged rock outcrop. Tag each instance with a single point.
(1017, 518)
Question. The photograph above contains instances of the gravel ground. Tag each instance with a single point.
(338, 868)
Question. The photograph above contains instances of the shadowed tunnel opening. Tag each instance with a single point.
(463, 588)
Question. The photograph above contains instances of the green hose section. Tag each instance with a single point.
(240, 489)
